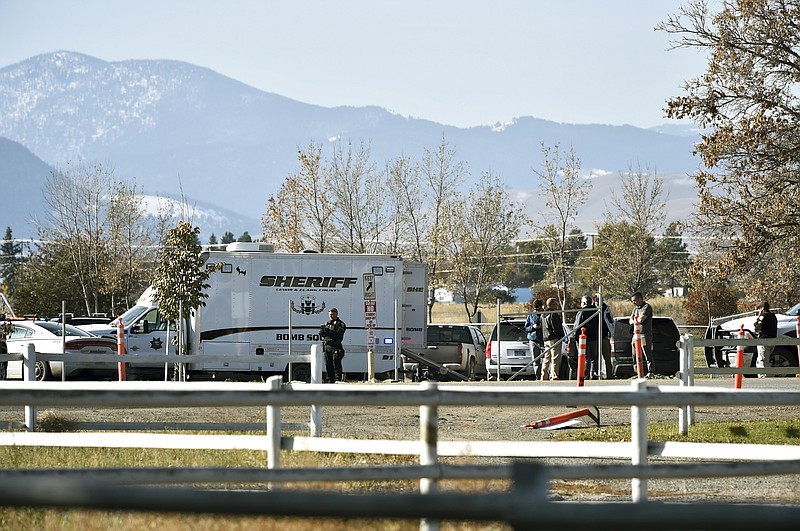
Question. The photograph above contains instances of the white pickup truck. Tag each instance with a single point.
(459, 348)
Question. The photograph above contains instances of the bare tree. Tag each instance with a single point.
(444, 174)
(408, 216)
(78, 201)
(641, 201)
(130, 247)
(358, 199)
(97, 222)
(565, 190)
(484, 224)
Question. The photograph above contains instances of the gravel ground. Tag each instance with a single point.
(487, 423)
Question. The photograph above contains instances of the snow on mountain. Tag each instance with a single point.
(179, 128)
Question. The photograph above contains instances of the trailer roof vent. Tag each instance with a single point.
(250, 247)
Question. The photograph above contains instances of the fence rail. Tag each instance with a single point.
(530, 504)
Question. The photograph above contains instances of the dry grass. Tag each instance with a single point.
(50, 421)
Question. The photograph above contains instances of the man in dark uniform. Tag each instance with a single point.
(332, 334)
(5, 327)
(766, 325)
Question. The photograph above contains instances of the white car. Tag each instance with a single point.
(515, 354)
(46, 337)
(782, 355)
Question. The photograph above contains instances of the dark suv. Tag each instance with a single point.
(666, 358)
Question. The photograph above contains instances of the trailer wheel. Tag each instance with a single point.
(301, 372)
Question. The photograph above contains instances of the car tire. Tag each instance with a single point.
(41, 371)
(783, 357)
(470, 372)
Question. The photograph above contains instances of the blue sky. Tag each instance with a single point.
(460, 63)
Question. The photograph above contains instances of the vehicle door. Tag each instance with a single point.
(16, 343)
(148, 335)
(479, 340)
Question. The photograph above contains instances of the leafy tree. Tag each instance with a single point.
(624, 260)
(748, 104)
(526, 263)
(10, 258)
(227, 238)
(286, 214)
(245, 237)
(627, 257)
(212, 240)
(180, 276)
(674, 271)
(708, 295)
(44, 279)
(565, 191)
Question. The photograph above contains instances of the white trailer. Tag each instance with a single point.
(268, 307)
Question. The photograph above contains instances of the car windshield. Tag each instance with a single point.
(511, 331)
(795, 310)
(55, 329)
(448, 334)
(131, 315)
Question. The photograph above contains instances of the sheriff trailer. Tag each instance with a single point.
(270, 307)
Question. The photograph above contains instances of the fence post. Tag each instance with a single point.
(29, 375)
(429, 435)
(737, 378)
(639, 442)
(274, 426)
(797, 335)
(581, 376)
(315, 426)
(686, 412)
(121, 349)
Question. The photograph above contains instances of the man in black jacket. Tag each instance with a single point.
(587, 313)
(766, 326)
(332, 334)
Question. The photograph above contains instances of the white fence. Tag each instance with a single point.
(122, 489)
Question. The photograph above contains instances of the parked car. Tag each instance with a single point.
(82, 320)
(782, 355)
(666, 357)
(514, 353)
(46, 337)
(460, 348)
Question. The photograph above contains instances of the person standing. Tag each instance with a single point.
(533, 326)
(5, 329)
(644, 312)
(588, 313)
(332, 334)
(608, 332)
(766, 326)
(552, 332)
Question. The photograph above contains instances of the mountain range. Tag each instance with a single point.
(180, 130)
